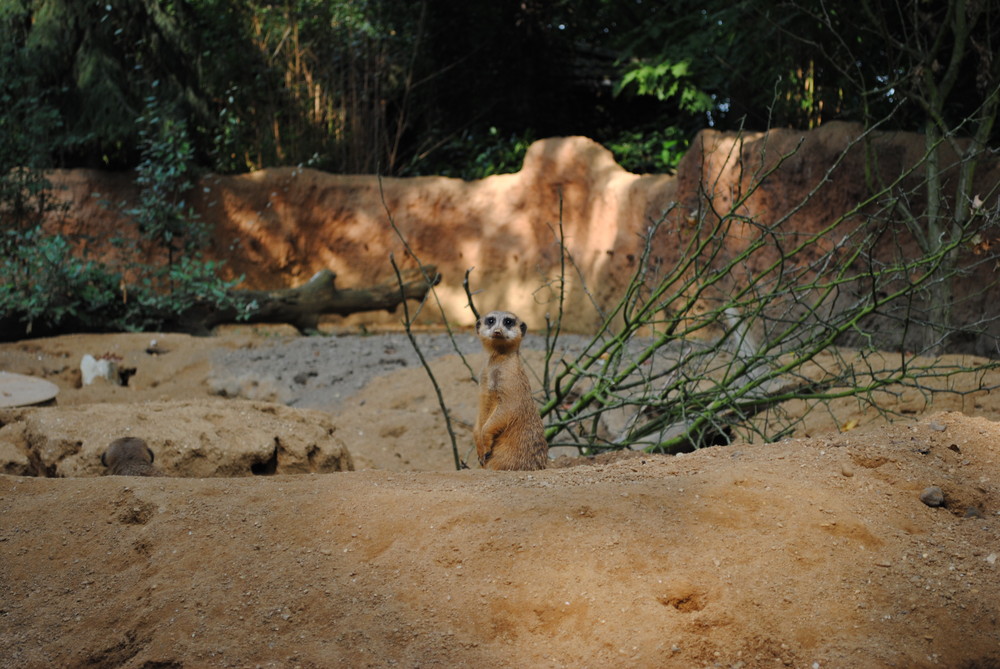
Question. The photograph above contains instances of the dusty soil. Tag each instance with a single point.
(812, 552)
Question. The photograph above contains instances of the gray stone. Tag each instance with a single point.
(932, 496)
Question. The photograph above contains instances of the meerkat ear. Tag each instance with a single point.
(479, 321)
(103, 461)
(151, 456)
(524, 328)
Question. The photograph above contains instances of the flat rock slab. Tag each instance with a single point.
(18, 390)
(194, 438)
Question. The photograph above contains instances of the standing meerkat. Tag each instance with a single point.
(508, 430)
(129, 456)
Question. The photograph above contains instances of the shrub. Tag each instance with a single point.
(48, 287)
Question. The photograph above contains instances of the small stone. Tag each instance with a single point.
(973, 512)
(846, 471)
(938, 427)
(932, 496)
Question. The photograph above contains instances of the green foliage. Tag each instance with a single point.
(165, 177)
(381, 85)
(38, 276)
(228, 138)
(674, 56)
(28, 126)
(499, 154)
(163, 290)
(47, 285)
(667, 80)
(192, 282)
(478, 155)
(404, 87)
(652, 151)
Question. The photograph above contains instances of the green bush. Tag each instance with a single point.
(47, 287)
(479, 155)
(160, 293)
(650, 151)
(476, 155)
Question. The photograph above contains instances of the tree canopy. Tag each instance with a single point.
(402, 87)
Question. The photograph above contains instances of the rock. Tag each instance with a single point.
(204, 438)
(13, 458)
(92, 368)
(17, 390)
(932, 496)
(973, 512)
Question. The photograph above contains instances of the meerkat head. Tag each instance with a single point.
(501, 329)
(126, 449)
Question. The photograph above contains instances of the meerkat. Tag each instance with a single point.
(129, 456)
(508, 429)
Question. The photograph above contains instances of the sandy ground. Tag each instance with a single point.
(813, 552)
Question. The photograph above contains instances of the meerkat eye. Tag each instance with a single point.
(508, 322)
(490, 321)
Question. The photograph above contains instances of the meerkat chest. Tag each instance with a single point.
(495, 380)
(499, 375)
(492, 379)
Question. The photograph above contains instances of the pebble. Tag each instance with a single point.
(932, 496)
(973, 512)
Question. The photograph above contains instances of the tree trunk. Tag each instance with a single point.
(303, 306)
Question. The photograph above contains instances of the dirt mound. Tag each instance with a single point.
(803, 553)
(809, 552)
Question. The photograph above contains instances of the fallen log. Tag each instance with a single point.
(303, 306)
